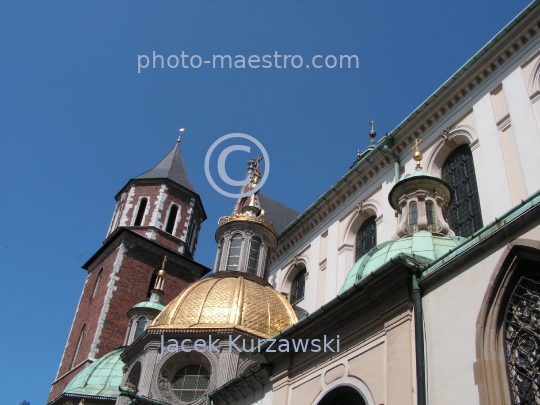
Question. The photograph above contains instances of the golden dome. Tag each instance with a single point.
(228, 300)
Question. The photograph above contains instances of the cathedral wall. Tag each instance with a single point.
(451, 311)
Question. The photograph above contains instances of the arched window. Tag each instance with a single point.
(134, 376)
(140, 212)
(234, 252)
(413, 217)
(190, 382)
(172, 219)
(344, 395)
(81, 337)
(522, 338)
(139, 329)
(366, 238)
(463, 214)
(298, 287)
(128, 331)
(97, 283)
(254, 251)
(430, 214)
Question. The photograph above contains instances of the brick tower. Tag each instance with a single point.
(157, 214)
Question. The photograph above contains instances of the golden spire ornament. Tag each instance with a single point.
(417, 155)
(160, 275)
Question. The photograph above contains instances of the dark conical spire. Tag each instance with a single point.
(171, 167)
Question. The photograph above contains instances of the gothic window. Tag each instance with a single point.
(430, 214)
(463, 214)
(190, 382)
(413, 217)
(254, 251)
(298, 287)
(366, 238)
(140, 212)
(81, 337)
(234, 252)
(172, 218)
(522, 339)
(97, 283)
(139, 329)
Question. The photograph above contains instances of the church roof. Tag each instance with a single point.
(171, 167)
(422, 243)
(280, 215)
(101, 378)
(228, 300)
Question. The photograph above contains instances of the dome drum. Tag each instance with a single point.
(419, 201)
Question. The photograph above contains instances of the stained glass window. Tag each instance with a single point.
(366, 238)
(254, 251)
(190, 383)
(234, 252)
(522, 339)
(298, 287)
(463, 214)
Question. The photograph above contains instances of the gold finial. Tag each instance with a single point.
(372, 134)
(160, 275)
(417, 155)
(257, 173)
(181, 131)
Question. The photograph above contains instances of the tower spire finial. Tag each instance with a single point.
(417, 155)
(160, 275)
(181, 131)
(372, 133)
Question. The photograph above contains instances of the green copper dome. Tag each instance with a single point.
(150, 304)
(421, 243)
(101, 378)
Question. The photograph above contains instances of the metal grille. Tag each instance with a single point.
(366, 238)
(298, 287)
(190, 383)
(253, 260)
(234, 253)
(463, 214)
(522, 340)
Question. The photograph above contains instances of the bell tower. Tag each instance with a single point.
(157, 214)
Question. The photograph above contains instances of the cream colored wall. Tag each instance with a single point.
(473, 122)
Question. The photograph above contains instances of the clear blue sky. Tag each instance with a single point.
(77, 121)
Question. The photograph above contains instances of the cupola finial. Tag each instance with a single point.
(417, 155)
(372, 133)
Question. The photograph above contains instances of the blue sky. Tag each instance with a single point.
(77, 121)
